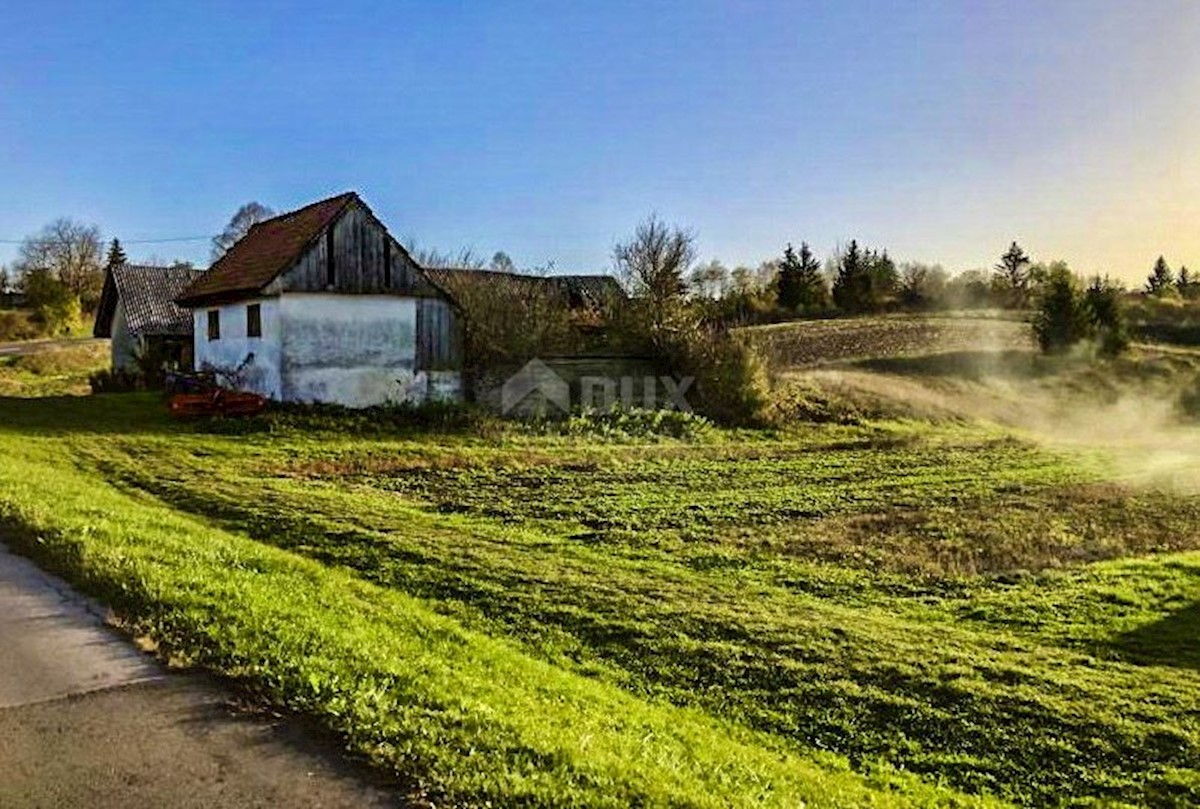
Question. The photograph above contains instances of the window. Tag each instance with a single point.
(214, 324)
(254, 320)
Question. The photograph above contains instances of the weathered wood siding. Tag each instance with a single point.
(360, 265)
(438, 343)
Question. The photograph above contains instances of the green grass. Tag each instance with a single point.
(54, 372)
(890, 613)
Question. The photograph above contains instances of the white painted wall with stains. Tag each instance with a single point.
(234, 346)
(352, 350)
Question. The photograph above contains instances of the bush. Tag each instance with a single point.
(730, 384)
(18, 325)
(107, 381)
(446, 417)
(622, 423)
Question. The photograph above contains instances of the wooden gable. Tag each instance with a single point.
(354, 255)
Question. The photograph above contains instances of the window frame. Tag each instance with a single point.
(214, 325)
(254, 320)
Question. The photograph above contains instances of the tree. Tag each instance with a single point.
(502, 262)
(1185, 283)
(1012, 278)
(67, 252)
(801, 286)
(1061, 320)
(653, 264)
(970, 289)
(433, 258)
(922, 286)
(116, 254)
(852, 286)
(884, 278)
(55, 306)
(709, 280)
(1068, 315)
(789, 290)
(246, 217)
(814, 291)
(1102, 303)
(1161, 279)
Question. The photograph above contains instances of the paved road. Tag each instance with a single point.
(86, 720)
(34, 346)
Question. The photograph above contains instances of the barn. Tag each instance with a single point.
(138, 313)
(322, 305)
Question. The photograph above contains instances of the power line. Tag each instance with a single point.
(135, 241)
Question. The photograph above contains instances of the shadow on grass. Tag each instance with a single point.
(1172, 641)
(974, 365)
(147, 414)
(137, 413)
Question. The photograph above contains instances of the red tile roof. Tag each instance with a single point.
(268, 249)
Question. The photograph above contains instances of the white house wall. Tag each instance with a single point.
(262, 373)
(124, 345)
(353, 350)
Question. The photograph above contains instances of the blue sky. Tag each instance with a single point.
(941, 131)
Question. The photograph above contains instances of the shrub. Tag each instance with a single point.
(730, 384)
(624, 423)
(18, 325)
(107, 381)
(510, 318)
(446, 417)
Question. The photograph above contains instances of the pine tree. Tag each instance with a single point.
(1185, 283)
(814, 294)
(884, 278)
(1062, 319)
(788, 291)
(852, 286)
(1012, 277)
(1102, 302)
(1161, 278)
(116, 254)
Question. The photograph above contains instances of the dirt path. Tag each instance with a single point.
(86, 720)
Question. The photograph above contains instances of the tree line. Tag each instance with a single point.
(59, 271)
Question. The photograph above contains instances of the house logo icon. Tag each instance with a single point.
(535, 377)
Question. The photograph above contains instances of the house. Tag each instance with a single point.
(138, 312)
(322, 305)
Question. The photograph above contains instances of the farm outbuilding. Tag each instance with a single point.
(322, 305)
(138, 313)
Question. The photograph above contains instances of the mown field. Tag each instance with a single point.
(880, 613)
(812, 343)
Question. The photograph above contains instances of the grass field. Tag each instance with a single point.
(54, 372)
(812, 343)
(887, 612)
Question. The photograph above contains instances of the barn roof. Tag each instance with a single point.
(582, 291)
(269, 248)
(147, 296)
(590, 290)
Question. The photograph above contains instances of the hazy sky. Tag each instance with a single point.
(941, 131)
